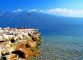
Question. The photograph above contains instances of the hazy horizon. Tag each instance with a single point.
(70, 8)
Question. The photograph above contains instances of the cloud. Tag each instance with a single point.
(57, 11)
(61, 12)
(18, 10)
(65, 12)
(36, 10)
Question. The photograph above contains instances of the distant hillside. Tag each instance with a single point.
(44, 22)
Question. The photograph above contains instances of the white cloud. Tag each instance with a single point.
(36, 10)
(65, 12)
(18, 10)
(62, 12)
(57, 11)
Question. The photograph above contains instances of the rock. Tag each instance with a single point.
(21, 41)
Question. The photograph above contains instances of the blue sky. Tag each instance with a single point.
(50, 6)
(40, 4)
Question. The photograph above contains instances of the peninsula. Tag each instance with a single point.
(18, 43)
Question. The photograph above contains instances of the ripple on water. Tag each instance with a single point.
(61, 48)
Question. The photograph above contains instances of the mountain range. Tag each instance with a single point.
(44, 22)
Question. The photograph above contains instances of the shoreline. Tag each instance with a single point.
(19, 43)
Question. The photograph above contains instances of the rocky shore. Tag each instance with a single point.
(18, 43)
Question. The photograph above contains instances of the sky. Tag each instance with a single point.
(56, 7)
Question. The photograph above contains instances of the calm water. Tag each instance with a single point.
(66, 45)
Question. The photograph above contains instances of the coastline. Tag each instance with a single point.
(18, 43)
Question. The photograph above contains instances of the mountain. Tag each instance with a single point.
(44, 22)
